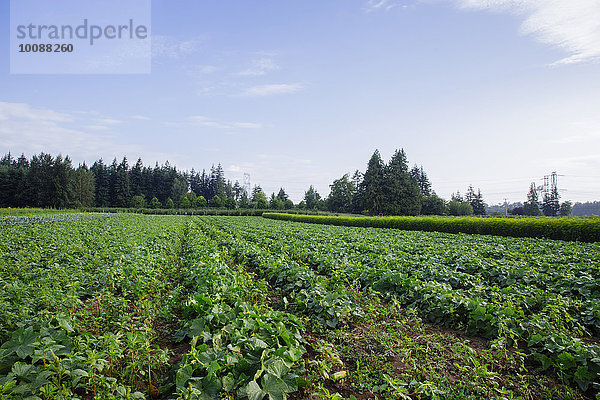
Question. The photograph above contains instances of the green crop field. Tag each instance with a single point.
(123, 306)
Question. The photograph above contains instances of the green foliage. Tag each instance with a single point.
(185, 203)
(308, 291)
(341, 195)
(236, 348)
(402, 194)
(276, 204)
(138, 201)
(551, 205)
(189, 200)
(566, 209)
(529, 293)
(229, 203)
(385, 189)
(433, 205)
(288, 204)
(216, 202)
(475, 200)
(312, 199)
(84, 187)
(200, 202)
(259, 198)
(572, 229)
(532, 207)
(79, 319)
(154, 203)
(459, 208)
(369, 195)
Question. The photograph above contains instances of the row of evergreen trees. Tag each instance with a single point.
(383, 189)
(47, 181)
(549, 206)
(394, 189)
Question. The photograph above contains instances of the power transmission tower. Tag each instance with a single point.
(247, 183)
(550, 184)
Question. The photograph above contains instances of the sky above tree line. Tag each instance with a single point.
(493, 93)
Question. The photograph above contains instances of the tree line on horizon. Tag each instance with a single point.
(390, 188)
(393, 188)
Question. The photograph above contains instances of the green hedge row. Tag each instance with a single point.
(571, 229)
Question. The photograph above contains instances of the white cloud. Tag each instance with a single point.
(172, 48)
(108, 121)
(273, 89)
(246, 125)
(20, 111)
(199, 71)
(31, 130)
(386, 5)
(200, 120)
(572, 25)
(260, 67)
(95, 127)
(141, 117)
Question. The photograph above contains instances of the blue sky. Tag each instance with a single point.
(494, 93)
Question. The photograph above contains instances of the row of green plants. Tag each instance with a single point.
(81, 305)
(90, 307)
(530, 267)
(238, 347)
(199, 212)
(423, 272)
(569, 229)
(308, 293)
(10, 211)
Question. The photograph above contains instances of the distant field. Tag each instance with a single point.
(31, 211)
(129, 306)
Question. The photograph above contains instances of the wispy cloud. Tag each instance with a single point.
(107, 121)
(385, 5)
(200, 71)
(141, 117)
(573, 25)
(20, 111)
(272, 89)
(32, 130)
(260, 67)
(172, 48)
(200, 120)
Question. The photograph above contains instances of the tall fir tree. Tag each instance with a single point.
(551, 205)
(369, 196)
(84, 187)
(532, 206)
(136, 178)
(402, 195)
(418, 175)
(312, 198)
(475, 200)
(340, 197)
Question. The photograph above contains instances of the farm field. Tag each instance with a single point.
(148, 306)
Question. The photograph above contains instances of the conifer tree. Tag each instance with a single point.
(401, 193)
(369, 196)
(532, 207)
